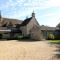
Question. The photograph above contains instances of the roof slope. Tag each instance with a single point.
(13, 21)
(26, 21)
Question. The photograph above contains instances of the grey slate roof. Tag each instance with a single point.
(26, 21)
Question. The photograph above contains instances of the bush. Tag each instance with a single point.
(50, 36)
(26, 37)
(57, 34)
(18, 37)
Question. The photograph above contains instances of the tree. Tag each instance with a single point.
(51, 36)
(58, 25)
(57, 32)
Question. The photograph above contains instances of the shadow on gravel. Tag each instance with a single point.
(20, 40)
(28, 40)
(57, 55)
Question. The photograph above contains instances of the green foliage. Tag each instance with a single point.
(58, 25)
(50, 36)
(26, 37)
(18, 37)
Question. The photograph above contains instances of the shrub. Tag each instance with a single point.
(26, 37)
(50, 36)
(57, 34)
(18, 37)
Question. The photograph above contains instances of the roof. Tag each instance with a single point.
(48, 28)
(26, 21)
(13, 21)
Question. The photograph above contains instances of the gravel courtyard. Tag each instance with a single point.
(19, 50)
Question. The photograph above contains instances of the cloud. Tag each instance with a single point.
(23, 8)
(51, 3)
(42, 4)
(38, 4)
(50, 19)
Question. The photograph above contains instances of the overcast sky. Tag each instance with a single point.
(47, 11)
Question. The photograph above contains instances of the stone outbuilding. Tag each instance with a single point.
(31, 27)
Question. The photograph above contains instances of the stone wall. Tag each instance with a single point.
(36, 34)
(24, 30)
(31, 24)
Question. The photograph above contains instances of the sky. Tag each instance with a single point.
(47, 12)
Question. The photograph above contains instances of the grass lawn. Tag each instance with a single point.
(54, 41)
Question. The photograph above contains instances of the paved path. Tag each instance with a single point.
(38, 50)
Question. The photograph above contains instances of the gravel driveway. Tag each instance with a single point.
(18, 50)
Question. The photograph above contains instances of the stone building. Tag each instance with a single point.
(28, 27)
(46, 30)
